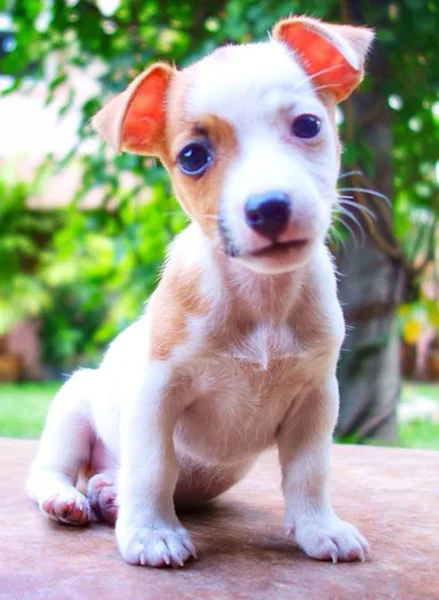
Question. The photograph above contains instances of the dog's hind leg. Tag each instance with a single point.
(65, 447)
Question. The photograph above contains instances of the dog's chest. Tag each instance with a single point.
(262, 346)
(241, 394)
(255, 367)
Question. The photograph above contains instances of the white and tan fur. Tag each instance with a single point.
(236, 351)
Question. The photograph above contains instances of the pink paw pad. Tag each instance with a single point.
(102, 496)
(68, 509)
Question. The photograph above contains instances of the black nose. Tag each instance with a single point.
(268, 213)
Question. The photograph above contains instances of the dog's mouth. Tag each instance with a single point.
(280, 248)
(277, 250)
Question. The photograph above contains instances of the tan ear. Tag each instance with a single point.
(135, 119)
(333, 55)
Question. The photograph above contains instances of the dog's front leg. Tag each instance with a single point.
(148, 531)
(304, 443)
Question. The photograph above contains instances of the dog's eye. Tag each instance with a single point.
(306, 126)
(194, 158)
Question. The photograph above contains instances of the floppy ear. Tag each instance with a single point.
(135, 119)
(333, 55)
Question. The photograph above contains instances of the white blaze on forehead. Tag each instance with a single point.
(260, 89)
(238, 83)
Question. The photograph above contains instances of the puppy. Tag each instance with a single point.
(238, 346)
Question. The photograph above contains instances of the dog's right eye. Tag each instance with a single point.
(194, 158)
(306, 126)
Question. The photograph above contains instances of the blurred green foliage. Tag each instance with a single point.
(100, 265)
(101, 268)
(23, 233)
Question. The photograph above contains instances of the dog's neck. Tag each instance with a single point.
(269, 295)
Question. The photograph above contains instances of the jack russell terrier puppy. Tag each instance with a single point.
(238, 346)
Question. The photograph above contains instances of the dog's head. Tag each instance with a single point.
(248, 136)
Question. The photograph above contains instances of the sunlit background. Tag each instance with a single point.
(83, 232)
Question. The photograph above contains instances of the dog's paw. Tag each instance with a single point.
(69, 507)
(333, 540)
(155, 547)
(101, 493)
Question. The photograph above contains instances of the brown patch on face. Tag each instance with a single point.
(177, 298)
(178, 295)
(199, 195)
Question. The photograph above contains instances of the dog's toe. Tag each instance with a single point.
(155, 547)
(69, 507)
(101, 493)
(334, 541)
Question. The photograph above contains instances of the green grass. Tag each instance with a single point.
(23, 408)
(420, 434)
(412, 390)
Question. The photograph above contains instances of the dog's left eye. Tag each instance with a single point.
(194, 158)
(306, 126)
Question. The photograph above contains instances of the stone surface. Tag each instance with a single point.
(392, 495)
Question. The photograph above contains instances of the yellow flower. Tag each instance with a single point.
(411, 331)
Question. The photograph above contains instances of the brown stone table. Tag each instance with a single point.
(391, 494)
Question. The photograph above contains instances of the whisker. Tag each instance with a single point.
(315, 75)
(351, 231)
(325, 86)
(368, 191)
(353, 234)
(337, 237)
(349, 174)
(360, 207)
(357, 222)
(325, 70)
(317, 88)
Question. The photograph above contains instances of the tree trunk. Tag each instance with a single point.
(370, 283)
(369, 372)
